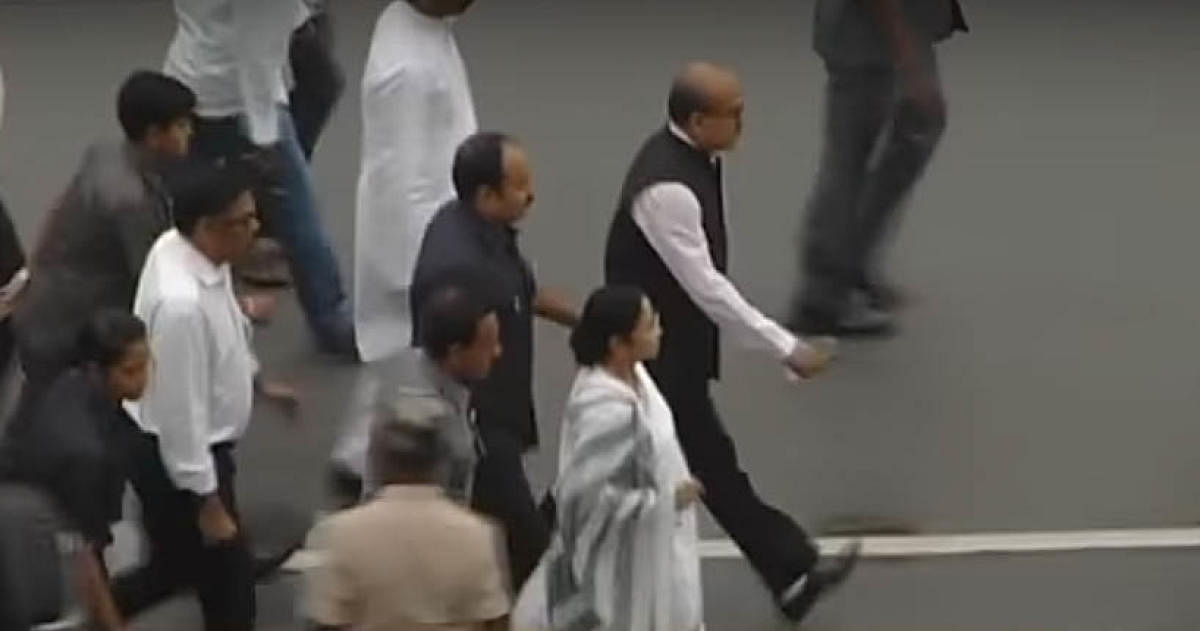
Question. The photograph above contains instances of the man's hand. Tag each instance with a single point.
(282, 394)
(809, 358)
(216, 525)
(259, 307)
(554, 305)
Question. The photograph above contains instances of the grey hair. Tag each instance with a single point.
(406, 435)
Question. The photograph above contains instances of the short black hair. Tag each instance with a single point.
(152, 99)
(479, 163)
(107, 336)
(202, 189)
(684, 100)
(456, 302)
(611, 311)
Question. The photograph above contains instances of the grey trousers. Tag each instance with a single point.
(876, 145)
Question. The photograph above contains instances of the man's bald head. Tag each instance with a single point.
(706, 102)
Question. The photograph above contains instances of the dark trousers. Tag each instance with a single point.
(222, 574)
(876, 145)
(777, 548)
(31, 562)
(502, 492)
(318, 80)
(8, 345)
(288, 208)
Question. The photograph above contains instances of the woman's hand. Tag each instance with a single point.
(687, 493)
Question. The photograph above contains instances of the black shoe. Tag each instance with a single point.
(345, 487)
(266, 566)
(265, 265)
(273, 532)
(827, 575)
(882, 296)
(858, 320)
(338, 339)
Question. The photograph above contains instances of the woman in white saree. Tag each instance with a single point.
(624, 553)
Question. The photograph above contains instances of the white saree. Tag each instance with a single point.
(622, 556)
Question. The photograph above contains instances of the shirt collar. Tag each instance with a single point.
(495, 236)
(199, 266)
(678, 132)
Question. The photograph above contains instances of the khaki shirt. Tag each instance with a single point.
(411, 560)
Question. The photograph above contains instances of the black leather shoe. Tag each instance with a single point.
(882, 296)
(857, 321)
(267, 565)
(345, 487)
(827, 575)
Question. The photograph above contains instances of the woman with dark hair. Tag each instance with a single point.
(624, 552)
(66, 443)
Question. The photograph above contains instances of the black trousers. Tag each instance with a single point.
(222, 575)
(502, 492)
(778, 549)
(877, 144)
(319, 80)
(31, 563)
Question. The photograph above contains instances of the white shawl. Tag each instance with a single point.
(622, 557)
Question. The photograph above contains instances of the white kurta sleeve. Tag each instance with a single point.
(668, 214)
(177, 399)
(262, 32)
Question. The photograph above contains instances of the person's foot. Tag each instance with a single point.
(858, 320)
(344, 486)
(267, 565)
(273, 531)
(341, 348)
(338, 338)
(827, 575)
(882, 296)
(265, 265)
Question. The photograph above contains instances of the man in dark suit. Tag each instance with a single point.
(477, 233)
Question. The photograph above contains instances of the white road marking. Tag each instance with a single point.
(924, 546)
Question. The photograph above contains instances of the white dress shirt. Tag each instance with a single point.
(669, 215)
(234, 54)
(202, 377)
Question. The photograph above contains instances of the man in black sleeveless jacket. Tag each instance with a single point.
(668, 237)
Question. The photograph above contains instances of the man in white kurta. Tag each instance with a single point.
(417, 108)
